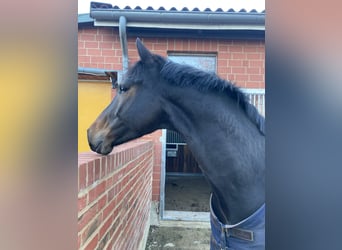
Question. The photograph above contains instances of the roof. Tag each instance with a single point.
(104, 6)
(161, 22)
(84, 19)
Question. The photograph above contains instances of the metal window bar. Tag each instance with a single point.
(173, 137)
(256, 98)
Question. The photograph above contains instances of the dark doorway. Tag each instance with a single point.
(185, 186)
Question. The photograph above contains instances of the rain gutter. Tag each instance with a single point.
(180, 19)
(112, 74)
(93, 71)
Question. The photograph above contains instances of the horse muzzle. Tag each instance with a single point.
(97, 145)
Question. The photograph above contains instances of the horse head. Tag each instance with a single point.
(136, 109)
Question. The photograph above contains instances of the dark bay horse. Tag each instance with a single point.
(225, 133)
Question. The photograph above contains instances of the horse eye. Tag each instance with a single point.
(122, 89)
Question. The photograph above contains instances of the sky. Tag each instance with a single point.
(259, 5)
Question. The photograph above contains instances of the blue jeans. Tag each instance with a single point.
(247, 234)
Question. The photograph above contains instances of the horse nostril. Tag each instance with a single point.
(92, 146)
(93, 142)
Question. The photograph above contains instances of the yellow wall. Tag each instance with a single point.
(93, 97)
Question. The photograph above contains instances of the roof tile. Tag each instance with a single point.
(97, 5)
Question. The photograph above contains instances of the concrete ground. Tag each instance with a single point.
(177, 235)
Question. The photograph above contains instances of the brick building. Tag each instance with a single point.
(229, 42)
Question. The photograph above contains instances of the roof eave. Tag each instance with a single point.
(181, 20)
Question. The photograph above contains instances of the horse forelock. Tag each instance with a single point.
(136, 72)
(184, 75)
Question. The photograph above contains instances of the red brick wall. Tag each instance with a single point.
(242, 62)
(114, 196)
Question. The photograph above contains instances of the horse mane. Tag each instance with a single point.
(185, 75)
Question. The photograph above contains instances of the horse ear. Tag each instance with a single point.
(144, 53)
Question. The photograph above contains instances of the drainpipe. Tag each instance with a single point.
(123, 42)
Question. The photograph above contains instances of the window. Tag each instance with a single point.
(202, 61)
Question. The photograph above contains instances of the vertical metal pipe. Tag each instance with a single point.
(123, 42)
(162, 175)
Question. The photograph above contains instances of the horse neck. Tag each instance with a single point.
(227, 146)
